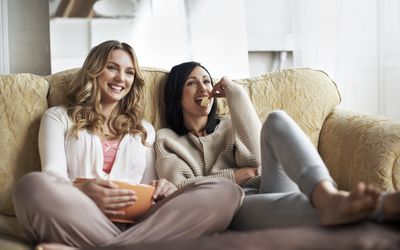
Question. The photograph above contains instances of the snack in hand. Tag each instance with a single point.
(204, 101)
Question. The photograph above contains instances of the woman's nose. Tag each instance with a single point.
(120, 76)
(202, 86)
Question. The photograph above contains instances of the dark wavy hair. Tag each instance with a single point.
(173, 99)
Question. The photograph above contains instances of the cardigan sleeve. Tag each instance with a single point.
(246, 127)
(149, 172)
(51, 142)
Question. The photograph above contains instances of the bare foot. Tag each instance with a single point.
(391, 206)
(339, 207)
(53, 246)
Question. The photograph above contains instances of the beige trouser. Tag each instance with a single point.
(53, 211)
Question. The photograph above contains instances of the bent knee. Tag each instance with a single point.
(29, 185)
(220, 189)
(229, 189)
(276, 123)
(227, 196)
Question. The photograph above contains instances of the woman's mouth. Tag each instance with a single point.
(203, 101)
(115, 88)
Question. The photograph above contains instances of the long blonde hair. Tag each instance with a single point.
(84, 97)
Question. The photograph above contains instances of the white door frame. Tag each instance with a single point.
(4, 48)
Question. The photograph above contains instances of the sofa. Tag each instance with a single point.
(355, 147)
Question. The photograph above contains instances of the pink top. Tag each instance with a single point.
(110, 149)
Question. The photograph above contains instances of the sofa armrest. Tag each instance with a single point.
(358, 147)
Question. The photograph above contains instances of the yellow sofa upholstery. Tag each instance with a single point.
(356, 147)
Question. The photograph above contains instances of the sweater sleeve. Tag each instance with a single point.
(170, 165)
(51, 143)
(246, 127)
(179, 174)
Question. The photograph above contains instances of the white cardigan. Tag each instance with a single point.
(66, 156)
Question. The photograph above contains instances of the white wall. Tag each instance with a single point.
(389, 57)
(217, 34)
(357, 47)
(163, 34)
(28, 36)
(269, 35)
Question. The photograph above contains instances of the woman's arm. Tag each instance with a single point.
(245, 123)
(51, 143)
(179, 173)
(150, 172)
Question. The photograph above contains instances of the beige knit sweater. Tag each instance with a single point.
(235, 143)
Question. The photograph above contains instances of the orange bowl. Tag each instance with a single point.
(139, 208)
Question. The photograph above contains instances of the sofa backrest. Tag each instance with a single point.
(307, 95)
(22, 103)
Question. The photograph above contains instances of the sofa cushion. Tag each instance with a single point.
(22, 103)
(58, 86)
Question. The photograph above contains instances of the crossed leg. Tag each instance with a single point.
(55, 212)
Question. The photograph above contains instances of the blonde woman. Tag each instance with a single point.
(100, 135)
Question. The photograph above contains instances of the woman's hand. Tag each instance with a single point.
(245, 173)
(219, 88)
(163, 189)
(106, 194)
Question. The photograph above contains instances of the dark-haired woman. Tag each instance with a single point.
(286, 181)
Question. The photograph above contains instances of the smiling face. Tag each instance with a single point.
(197, 85)
(116, 80)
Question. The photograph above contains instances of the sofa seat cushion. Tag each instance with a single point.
(11, 243)
(10, 231)
(22, 103)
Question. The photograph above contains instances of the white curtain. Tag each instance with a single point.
(340, 37)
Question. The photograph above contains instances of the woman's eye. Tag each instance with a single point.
(110, 67)
(130, 73)
(207, 81)
(190, 83)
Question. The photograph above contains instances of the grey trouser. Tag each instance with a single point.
(291, 168)
(53, 211)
